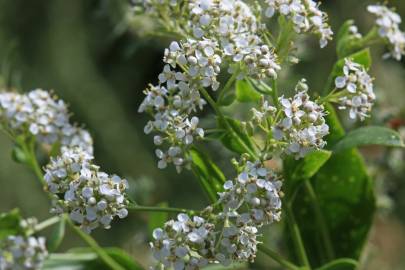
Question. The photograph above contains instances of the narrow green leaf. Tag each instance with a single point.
(238, 140)
(340, 264)
(245, 92)
(57, 236)
(157, 219)
(210, 176)
(371, 135)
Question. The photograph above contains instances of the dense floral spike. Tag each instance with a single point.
(302, 126)
(91, 198)
(305, 15)
(185, 243)
(43, 116)
(253, 197)
(22, 252)
(388, 23)
(357, 89)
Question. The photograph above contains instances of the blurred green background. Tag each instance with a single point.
(93, 55)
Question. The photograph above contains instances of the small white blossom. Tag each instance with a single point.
(238, 244)
(388, 22)
(91, 198)
(22, 252)
(305, 15)
(185, 243)
(357, 85)
(43, 116)
(253, 197)
(302, 126)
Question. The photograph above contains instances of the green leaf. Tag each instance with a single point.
(57, 236)
(10, 223)
(245, 92)
(371, 135)
(85, 259)
(157, 219)
(297, 170)
(346, 198)
(340, 264)
(209, 175)
(362, 57)
(308, 166)
(236, 140)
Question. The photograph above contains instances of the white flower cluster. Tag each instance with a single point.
(185, 243)
(357, 85)
(302, 126)
(305, 15)
(90, 197)
(221, 31)
(388, 23)
(249, 202)
(43, 116)
(235, 27)
(256, 189)
(21, 252)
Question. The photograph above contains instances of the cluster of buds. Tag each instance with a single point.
(305, 15)
(22, 252)
(185, 243)
(265, 110)
(357, 89)
(388, 23)
(302, 126)
(43, 116)
(90, 197)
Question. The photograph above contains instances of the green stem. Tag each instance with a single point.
(274, 94)
(320, 220)
(102, 254)
(296, 237)
(139, 208)
(277, 257)
(227, 125)
(228, 85)
(46, 223)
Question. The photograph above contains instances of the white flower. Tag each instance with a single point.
(22, 252)
(185, 243)
(388, 22)
(357, 86)
(302, 126)
(257, 189)
(44, 116)
(305, 15)
(90, 197)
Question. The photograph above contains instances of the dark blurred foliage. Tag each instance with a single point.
(94, 58)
